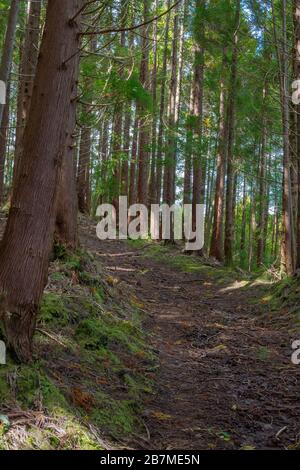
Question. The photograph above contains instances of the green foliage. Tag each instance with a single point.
(117, 416)
(184, 262)
(53, 310)
(132, 90)
(106, 331)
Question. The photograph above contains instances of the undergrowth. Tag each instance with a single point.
(187, 262)
(93, 369)
(276, 301)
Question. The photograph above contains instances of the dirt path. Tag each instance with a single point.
(224, 382)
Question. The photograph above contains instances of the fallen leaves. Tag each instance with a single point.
(161, 416)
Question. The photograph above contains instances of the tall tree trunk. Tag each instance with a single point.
(170, 157)
(104, 158)
(126, 151)
(297, 109)
(261, 226)
(287, 261)
(198, 174)
(85, 148)
(83, 176)
(160, 151)
(229, 212)
(152, 184)
(252, 228)
(243, 226)
(216, 247)
(66, 230)
(29, 57)
(27, 242)
(3, 142)
(8, 46)
(187, 183)
(116, 154)
(143, 151)
(133, 165)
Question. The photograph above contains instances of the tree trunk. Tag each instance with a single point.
(243, 227)
(170, 157)
(29, 57)
(297, 109)
(83, 177)
(152, 184)
(126, 151)
(287, 261)
(229, 212)
(216, 247)
(27, 242)
(85, 148)
(66, 230)
(160, 138)
(187, 182)
(198, 174)
(3, 142)
(261, 226)
(143, 151)
(133, 165)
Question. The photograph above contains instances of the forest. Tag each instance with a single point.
(134, 341)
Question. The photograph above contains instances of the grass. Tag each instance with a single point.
(188, 263)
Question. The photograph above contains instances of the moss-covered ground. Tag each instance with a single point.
(92, 370)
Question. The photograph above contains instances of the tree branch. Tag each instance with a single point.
(130, 28)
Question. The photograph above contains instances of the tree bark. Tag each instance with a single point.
(133, 165)
(187, 182)
(152, 183)
(297, 117)
(3, 142)
(29, 57)
(83, 177)
(170, 156)
(143, 151)
(229, 212)
(288, 260)
(27, 242)
(84, 162)
(197, 157)
(66, 230)
(160, 137)
(261, 226)
(216, 247)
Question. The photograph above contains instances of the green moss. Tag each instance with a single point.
(30, 384)
(263, 354)
(117, 417)
(69, 435)
(32, 388)
(138, 385)
(189, 263)
(103, 344)
(57, 276)
(106, 331)
(73, 261)
(53, 310)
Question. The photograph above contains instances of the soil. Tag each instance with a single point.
(226, 380)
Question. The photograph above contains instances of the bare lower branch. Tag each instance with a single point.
(130, 28)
